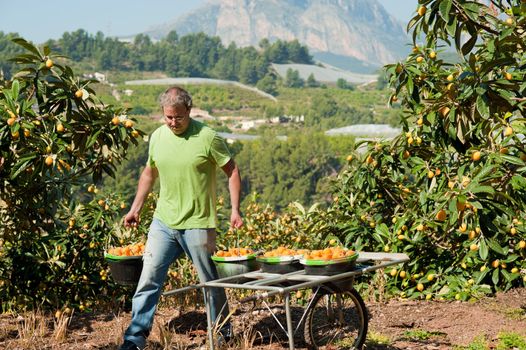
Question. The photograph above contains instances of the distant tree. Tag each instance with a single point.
(142, 41)
(171, 63)
(228, 63)
(250, 70)
(114, 55)
(8, 49)
(341, 83)
(268, 84)
(293, 79)
(198, 53)
(298, 53)
(172, 37)
(272, 111)
(142, 56)
(277, 52)
(77, 45)
(311, 81)
(264, 44)
(321, 107)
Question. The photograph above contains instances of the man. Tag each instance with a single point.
(183, 154)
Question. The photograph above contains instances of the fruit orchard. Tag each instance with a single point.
(450, 191)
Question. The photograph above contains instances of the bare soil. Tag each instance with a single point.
(396, 324)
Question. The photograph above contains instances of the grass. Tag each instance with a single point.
(515, 313)
(31, 327)
(376, 338)
(511, 341)
(479, 343)
(420, 334)
(506, 341)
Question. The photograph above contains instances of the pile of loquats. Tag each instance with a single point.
(234, 252)
(330, 253)
(135, 249)
(284, 251)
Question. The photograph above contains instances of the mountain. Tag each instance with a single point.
(359, 29)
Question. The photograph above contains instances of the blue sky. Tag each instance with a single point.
(38, 20)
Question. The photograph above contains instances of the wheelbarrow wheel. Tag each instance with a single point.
(337, 319)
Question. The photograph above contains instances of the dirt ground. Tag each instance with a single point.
(397, 324)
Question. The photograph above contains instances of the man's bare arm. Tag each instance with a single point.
(234, 186)
(146, 182)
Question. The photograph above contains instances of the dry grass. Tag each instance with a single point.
(31, 328)
(376, 288)
(185, 328)
(60, 325)
(247, 339)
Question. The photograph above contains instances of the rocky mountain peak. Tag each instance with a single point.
(359, 29)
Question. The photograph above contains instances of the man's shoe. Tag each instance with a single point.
(224, 337)
(129, 345)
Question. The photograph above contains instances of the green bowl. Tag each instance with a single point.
(109, 256)
(232, 266)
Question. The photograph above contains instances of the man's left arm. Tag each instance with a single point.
(234, 186)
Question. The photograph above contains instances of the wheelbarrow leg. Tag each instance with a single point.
(210, 328)
(290, 330)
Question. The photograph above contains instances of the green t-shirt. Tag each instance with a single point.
(187, 173)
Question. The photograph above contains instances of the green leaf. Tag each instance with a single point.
(485, 171)
(93, 138)
(382, 230)
(15, 89)
(444, 8)
(409, 85)
(458, 36)
(481, 277)
(495, 276)
(482, 189)
(21, 167)
(108, 170)
(452, 26)
(378, 238)
(482, 107)
(28, 46)
(483, 249)
(495, 246)
(452, 208)
(468, 46)
(518, 182)
(512, 160)
(508, 276)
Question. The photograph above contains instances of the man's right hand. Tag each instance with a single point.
(131, 219)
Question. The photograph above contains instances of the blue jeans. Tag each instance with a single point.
(163, 246)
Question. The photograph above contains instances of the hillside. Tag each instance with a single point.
(324, 74)
(221, 98)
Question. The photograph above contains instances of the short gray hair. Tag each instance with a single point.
(175, 96)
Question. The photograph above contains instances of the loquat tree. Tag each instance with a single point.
(450, 191)
(54, 134)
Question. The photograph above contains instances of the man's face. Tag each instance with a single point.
(177, 118)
